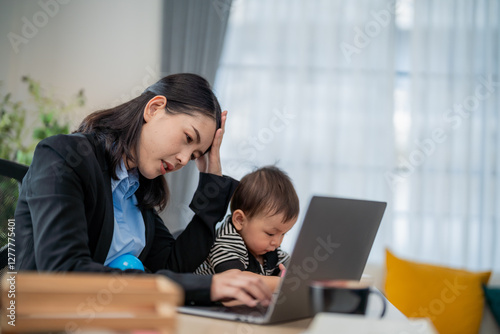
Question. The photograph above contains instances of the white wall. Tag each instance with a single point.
(109, 48)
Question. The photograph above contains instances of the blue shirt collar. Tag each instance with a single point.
(127, 180)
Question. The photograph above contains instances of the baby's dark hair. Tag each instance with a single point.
(268, 190)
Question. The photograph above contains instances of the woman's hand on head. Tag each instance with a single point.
(210, 162)
(245, 287)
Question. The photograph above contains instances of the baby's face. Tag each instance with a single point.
(263, 234)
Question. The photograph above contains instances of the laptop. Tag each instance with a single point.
(334, 242)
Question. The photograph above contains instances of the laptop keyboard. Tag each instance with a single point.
(241, 309)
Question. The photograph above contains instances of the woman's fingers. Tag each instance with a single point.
(219, 134)
(223, 121)
(214, 164)
(243, 297)
(245, 287)
(256, 288)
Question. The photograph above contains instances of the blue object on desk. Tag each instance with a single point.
(126, 261)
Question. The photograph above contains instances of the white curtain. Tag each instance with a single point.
(344, 94)
(298, 100)
(193, 35)
(448, 168)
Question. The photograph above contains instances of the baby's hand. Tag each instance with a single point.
(283, 270)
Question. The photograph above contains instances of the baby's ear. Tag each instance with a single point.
(239, 219)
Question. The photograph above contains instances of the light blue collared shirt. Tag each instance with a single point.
(129, 235)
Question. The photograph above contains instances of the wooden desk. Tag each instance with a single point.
(189, 324)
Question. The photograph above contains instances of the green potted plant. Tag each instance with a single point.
(18, 139)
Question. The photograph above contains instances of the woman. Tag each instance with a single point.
(92, 196)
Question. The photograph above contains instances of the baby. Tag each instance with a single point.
(264, 207)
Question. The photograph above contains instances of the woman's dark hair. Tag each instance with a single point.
(119, 128)
(268, 190)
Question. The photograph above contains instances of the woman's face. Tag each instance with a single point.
(168, 141)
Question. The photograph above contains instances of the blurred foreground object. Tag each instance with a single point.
(35, 302)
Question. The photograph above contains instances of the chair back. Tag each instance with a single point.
(11, 177)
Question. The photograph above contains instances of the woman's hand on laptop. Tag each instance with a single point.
(245, 287)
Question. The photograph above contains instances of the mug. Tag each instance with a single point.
(342, 296)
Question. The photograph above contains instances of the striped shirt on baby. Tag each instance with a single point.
(229, 246)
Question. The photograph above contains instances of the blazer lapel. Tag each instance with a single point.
(106, 235)
(105, 232)
(149, 222)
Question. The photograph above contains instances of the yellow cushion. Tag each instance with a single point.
(453, 299)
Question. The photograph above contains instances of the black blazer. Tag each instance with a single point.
(64, 217)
